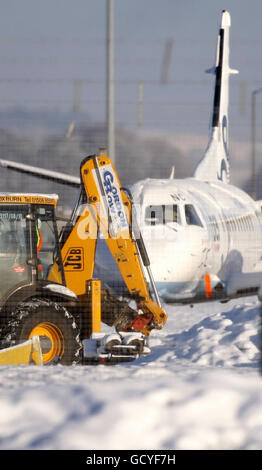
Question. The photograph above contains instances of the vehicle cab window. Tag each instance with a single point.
(191, 216)
(162, 214)
(46, 240)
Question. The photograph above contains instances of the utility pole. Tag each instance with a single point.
(243, 97)
(110, 82)
(166, 61)
(140, 111)
(78, 91)
(253, 142)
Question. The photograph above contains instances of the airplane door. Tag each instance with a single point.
(217, 243)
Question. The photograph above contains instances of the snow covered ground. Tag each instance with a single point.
(200, 388)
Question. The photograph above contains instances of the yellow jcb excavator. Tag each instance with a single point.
(50, 305)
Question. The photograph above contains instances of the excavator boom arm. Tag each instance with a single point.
(113, 209)
(106, 206)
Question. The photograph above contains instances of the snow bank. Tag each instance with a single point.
(206, 410)
(223, 339)
(199, 389)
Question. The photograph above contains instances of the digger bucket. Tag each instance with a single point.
(23, 354)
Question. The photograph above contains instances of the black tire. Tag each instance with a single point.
(36, 312)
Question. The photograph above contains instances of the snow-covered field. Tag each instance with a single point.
(200, 388)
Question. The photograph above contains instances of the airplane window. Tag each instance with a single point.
(217, 236)
(191, 216)
(162, 214)
(172, 214)
(154, 215)
(238, 225)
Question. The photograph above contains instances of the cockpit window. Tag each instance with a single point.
(162, 214)
(191, 216)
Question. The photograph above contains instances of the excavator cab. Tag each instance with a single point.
(32, 306)
(28, 242)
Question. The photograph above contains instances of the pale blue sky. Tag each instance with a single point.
(34, 18)
(53, 42)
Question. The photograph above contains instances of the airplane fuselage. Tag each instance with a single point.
(197, 234)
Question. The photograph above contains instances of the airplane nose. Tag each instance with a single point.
(178, 261)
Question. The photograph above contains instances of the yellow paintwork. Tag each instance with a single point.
(78, 253)
(23, 354)
(95, 287)
(55, 274)
(55, 336)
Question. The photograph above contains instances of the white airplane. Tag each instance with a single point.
(203, 235)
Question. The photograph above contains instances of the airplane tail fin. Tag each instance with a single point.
(214, 164)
